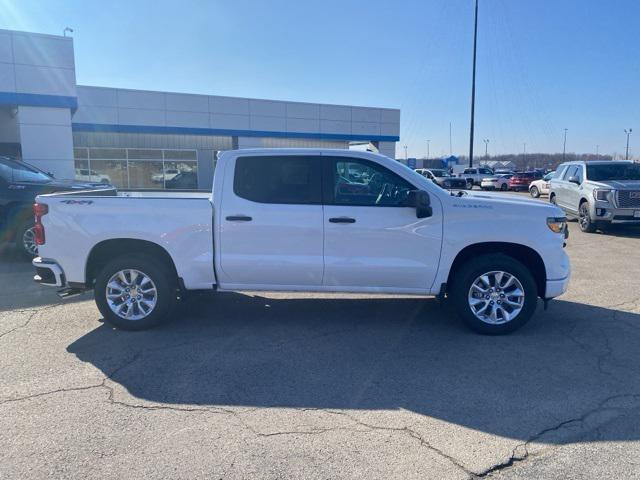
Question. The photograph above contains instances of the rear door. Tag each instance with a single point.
(373, 240)
(271, 225)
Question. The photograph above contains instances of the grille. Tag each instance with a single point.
(629, 198)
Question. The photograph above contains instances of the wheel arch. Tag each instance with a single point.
(524, 254)
(107, 250)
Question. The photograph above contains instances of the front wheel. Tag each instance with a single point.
(135, 292)
(469, 185)
(494, 294)
(535, 193)
(584, 219)
(504, 187)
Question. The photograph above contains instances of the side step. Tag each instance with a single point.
(70, 292)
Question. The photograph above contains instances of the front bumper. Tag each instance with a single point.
(604, 212)
(555, 288)
(48, 272)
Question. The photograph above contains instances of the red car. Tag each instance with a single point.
(522, 180)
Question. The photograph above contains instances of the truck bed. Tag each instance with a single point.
(180, 222)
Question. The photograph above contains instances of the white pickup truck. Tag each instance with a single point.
(302, 220)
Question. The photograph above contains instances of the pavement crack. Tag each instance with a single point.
(521, 452)
(32, 314)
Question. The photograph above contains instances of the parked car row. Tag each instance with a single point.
(443, 178)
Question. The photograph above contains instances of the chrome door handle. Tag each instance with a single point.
(239, 218)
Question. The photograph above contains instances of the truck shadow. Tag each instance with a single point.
(380, 353)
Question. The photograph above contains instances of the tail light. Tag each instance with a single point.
(39, 210)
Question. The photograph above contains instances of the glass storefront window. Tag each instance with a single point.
(137, 168)
(111, 171)
(145, 174)
(181, 175)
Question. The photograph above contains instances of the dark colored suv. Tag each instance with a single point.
(20, 183)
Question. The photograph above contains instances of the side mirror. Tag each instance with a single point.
(422, 203)
(574, 180)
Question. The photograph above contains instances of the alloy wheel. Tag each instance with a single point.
(496, 297)
(29, 242)
(131, 294)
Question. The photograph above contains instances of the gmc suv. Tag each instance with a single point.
(598, 193)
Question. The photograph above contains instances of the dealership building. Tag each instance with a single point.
(144, 139)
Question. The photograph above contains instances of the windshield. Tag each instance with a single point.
(21, 172)
(613, 171)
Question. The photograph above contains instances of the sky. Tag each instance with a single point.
(542, 66)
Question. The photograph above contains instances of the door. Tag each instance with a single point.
(271, 222)
(372, 239)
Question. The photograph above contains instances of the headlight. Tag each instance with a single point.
(602, 194)
(557, 224)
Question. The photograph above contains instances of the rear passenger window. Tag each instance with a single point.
(279, 179)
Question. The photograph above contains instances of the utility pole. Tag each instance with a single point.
(473, 86)
(628, 132)
(524, 155)
(597, 151)
(428, 149)
(405, 153)
(450, 144)
(564, 145)
(486, 149)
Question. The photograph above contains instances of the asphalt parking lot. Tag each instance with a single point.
(318, 386)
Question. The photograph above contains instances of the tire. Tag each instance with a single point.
(469, 185)
(535, 193)
(161, 277)
(504, 187)
(25, 241)
(494, 323)
(584, 218)
(552, 200)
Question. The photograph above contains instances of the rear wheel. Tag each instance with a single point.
(135, 292)
(469, 185)
(584, 218)
(504, 187)
(494, 294)
(552, 200)
(535, 193)
(26, 240)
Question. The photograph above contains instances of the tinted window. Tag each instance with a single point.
(285, 179)
(470, 170)
(377, 186)
(484, 170)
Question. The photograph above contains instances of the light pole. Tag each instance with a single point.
(405, 153)
(597, 151)
(524, 155)
(564, 145)
(428, 149)
(66, 29)
(486, 148)
(628, 132)
(473, 86)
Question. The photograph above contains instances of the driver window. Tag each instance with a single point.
(365, 183)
